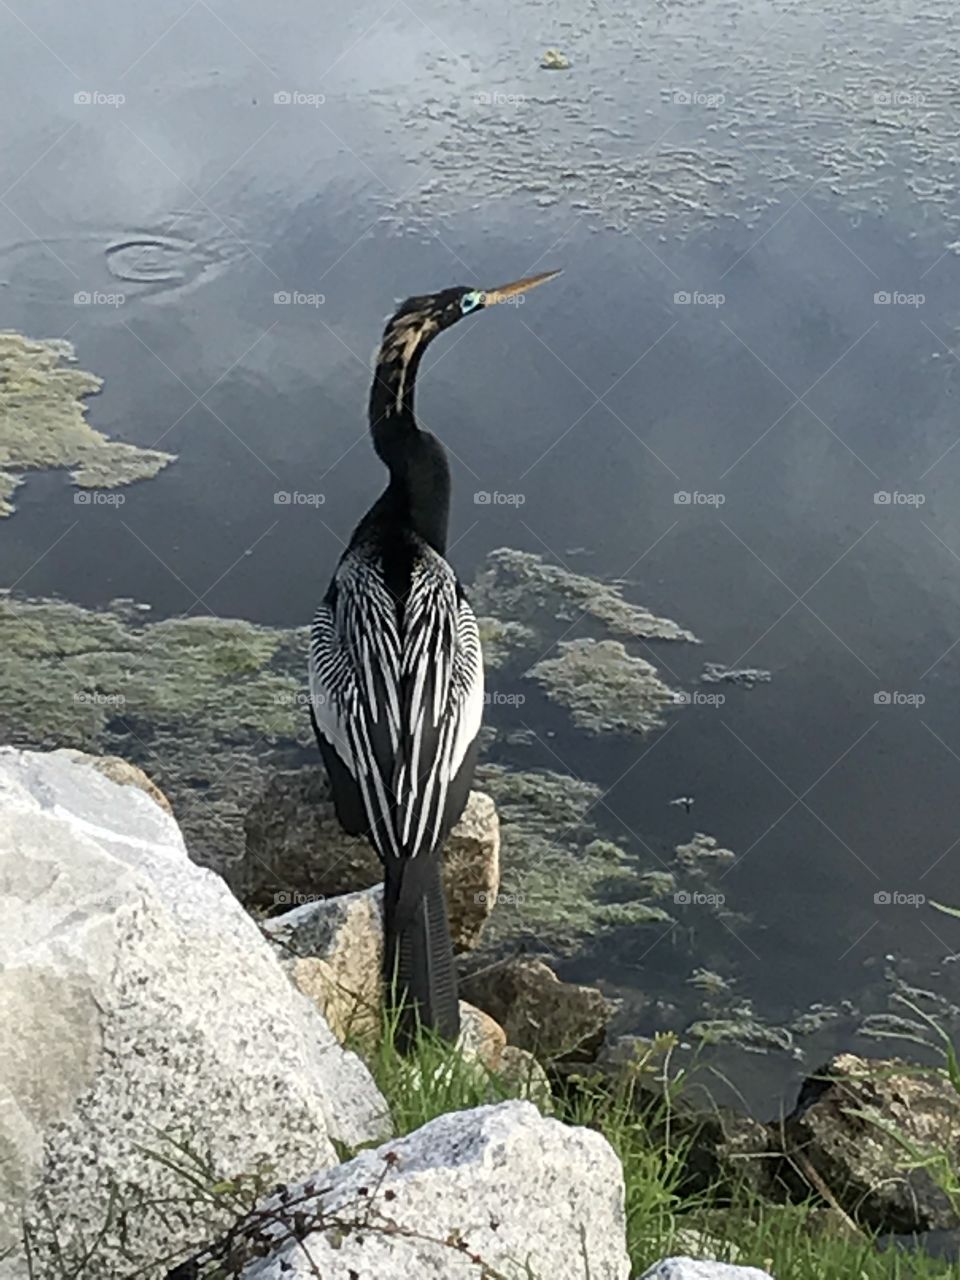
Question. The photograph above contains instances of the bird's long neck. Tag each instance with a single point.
(418, 494)
(405, 339)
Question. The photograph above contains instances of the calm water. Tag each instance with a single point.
(784, 168)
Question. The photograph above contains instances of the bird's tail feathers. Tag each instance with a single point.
(418, 956)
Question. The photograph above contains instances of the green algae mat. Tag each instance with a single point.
(43, 422)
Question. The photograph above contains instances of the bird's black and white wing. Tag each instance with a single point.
(354, 673)
(441, 673)
(397, 697)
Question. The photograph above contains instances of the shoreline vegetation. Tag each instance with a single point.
(213, 709)
(137, 948)
(669, 1209)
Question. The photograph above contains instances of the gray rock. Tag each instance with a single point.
(471, 870)
(481, 1039)
(333, 951)
(297, 852)
(521, 1073)
(500, 1185)
(539, 1012)
(140, 1008)
(702, 1269)
(844, 1133)
(121, 771)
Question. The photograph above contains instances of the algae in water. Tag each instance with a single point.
(522, 587)
(606, 689)
(199, 703)
(43, 422)
(211, 707)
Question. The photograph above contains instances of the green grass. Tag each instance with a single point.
(792, 1242)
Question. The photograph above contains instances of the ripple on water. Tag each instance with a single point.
(178, 254)
(151, 260)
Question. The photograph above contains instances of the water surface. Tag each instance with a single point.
(783, 169)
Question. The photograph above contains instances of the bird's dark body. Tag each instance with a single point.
(418, 955)
(396, 677)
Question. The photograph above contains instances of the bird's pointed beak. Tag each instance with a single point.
(504, 292)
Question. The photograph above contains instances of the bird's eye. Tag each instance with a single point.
(470, 301)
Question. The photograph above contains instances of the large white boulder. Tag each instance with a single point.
(498, 1185)
(141, 1008)
(701, 1269)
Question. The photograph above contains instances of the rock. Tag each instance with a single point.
(498, 1185)
(841, 1136)
(551, 1018)
(297, 851)
(334, 954)
(521, 1073)
(142, 1018)
(726, 1152)
(120, 771)
(471, 870)
(701, 1269)
(333, 951)
(481, 1038)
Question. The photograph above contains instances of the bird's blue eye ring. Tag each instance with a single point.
(470, 301)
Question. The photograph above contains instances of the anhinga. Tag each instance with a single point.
(396, 676)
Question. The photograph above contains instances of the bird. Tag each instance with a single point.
(396, 672)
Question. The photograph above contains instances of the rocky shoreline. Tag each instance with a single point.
(168, 1061)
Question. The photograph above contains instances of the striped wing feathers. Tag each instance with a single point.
(398, 693)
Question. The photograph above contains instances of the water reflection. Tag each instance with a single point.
(795, 164)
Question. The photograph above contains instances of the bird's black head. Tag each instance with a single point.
(438, 311)
(414, 325)
(419, 490)
(417, 320)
